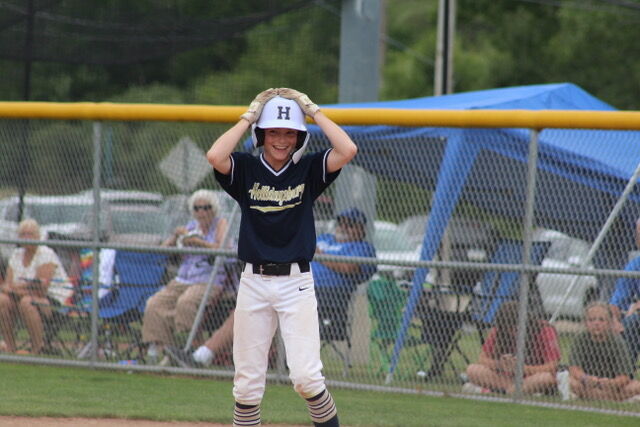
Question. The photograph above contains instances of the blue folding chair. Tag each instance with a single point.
(498, 287)
(138, 276)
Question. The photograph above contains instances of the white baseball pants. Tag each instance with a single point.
(262, 302)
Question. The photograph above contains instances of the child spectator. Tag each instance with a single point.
(599, 363)
(495, 369)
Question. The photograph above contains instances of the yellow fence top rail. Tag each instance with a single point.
(539, 119)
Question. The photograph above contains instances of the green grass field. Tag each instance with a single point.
(31, 390)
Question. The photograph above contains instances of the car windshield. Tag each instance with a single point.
(413, 228)
(52, 213)
(138, 221)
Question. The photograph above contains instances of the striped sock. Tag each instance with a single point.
(246, 415)
(323, 410)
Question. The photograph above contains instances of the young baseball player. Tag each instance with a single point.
(275, 191)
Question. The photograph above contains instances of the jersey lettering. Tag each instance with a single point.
(285, 199)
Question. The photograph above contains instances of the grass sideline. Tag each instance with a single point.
(33, 390)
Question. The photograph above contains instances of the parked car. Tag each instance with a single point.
(71, 216)
(473, 242)
(392, 244)
(470, 240)
(137, 224)
(122, 197)
(130, 217)
(55, 214)
(565, 252)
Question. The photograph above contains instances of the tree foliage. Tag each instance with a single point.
(497, 43)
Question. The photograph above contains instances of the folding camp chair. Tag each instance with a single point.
(138, 275)
(335, 316)
(65, 330)
(386, 304)
(498, 287)
(65, 327)
(440, 329)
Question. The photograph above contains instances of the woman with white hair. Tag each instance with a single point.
(35, 281)
(174, 307)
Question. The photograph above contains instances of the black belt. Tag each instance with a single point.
(272, 269)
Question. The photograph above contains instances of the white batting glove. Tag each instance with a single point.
(255, 108)
(308, 106)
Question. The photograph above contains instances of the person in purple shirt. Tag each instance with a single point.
(174, 307)
(625, 304)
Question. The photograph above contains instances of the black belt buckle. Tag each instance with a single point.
(273, 269)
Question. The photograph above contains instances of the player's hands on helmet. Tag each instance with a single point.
(308, 106)
(255, 108)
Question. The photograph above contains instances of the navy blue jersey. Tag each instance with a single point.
(277, 218)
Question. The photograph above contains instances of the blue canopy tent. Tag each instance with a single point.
(580, 173)
(597, 160)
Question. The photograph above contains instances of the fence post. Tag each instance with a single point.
(95, 225)
(526, 260)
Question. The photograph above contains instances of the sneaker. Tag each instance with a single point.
(165, 362)
(181, 357)
(474, 388)
(463, 377)
(633, 399)
(562, 378)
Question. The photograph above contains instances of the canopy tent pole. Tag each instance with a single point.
(457, 161)
(603, 232)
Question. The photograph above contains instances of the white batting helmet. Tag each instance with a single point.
(285, 113)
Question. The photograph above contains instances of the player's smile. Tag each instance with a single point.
(278, 145)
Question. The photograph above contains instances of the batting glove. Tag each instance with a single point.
(309, 108)
(255, 108)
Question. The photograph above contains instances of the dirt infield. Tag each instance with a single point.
(104, 422)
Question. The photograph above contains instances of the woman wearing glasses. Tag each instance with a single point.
(174, 307)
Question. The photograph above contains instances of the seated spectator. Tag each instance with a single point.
(334, 281)
(599, 363)
(174, 307)
(35, 281)
(221, 340)
(495, 370)
(625, 305)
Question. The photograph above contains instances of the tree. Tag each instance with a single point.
(598, 50)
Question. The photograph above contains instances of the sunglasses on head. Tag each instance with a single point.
(203, 207)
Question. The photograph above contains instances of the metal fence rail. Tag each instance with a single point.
(455, 214)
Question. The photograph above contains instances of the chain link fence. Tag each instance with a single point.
(489, 244)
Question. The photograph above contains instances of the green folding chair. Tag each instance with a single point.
(386, 304)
